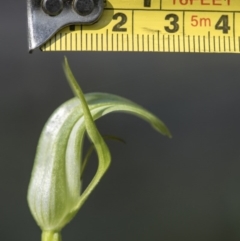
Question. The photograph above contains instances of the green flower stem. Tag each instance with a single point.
(51, 236)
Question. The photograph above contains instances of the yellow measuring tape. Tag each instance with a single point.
(157, 26)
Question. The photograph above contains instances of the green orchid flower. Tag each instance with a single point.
(54, 194)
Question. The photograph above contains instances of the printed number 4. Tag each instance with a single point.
(222, 24)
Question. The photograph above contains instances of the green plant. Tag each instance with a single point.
(54, 191)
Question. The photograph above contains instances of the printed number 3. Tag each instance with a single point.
(174, 23)
(123, 19)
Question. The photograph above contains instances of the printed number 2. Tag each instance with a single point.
(118, 27)
(174, 23)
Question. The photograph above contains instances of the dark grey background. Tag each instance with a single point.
(186, 188)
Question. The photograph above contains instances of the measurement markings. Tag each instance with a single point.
(148, 42)
(112, 42)
(73, 36)
(173, 43)
(238, 44)
(184, 32)
(76, 38)
(204, 46)
(234, 36)
(199, 44)
(61, 41)
(54, 43)
(179, 46)
(81, 38)
(153, 42)
(194, 50)
(224, 44)
(49, 45)
(209, 41)
(163, 43)
(229, 43)
(219, 43)
(214, 44)
(91, 41)
(122, 43)
(117, 42)
(107, 39)
(97, 42)
(102, 41)
(132, 30)
(65, 41)
(142, 42)
(169, 48)
(138, 42)
(191, 42)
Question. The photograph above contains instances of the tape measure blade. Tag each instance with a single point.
(148, 26)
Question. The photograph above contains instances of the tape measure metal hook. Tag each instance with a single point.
(46, 17)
